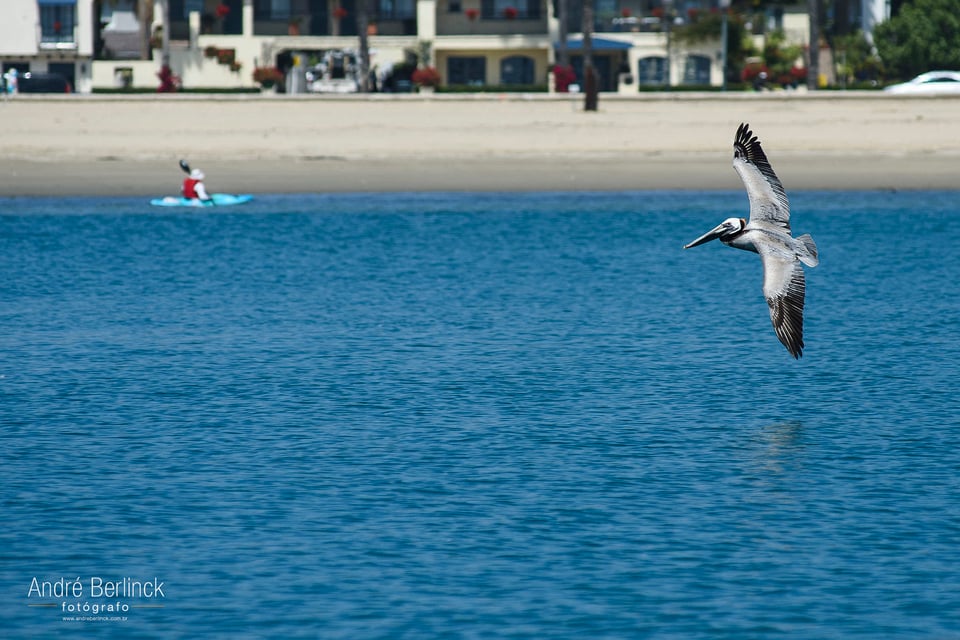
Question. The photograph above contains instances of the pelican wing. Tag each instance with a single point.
(784, 287)
(768, 201)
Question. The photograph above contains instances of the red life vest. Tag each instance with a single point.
(190, 188)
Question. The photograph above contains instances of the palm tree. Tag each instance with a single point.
(563, 59)
(591, 91)
(363, 23)
(145, 18)
(813, 66)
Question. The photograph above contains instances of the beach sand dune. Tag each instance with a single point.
(92, 145)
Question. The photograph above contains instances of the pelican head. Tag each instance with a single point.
(727, 228)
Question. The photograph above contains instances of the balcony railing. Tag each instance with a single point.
(65, 41)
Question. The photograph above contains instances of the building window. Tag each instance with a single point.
(516, 70)
(469, 71)
(191, 6)
(272, 9)
(57, 22)
(396, 9)
(508, 9)
(454, 6)
(652, 71)
(696, 70)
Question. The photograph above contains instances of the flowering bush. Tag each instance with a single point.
(510, 13)
(472, 14)
(792, 78)
(426, 77)
(563, 77)
(169, 81)
(267, 76)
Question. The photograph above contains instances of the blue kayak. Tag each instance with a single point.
(216, 200)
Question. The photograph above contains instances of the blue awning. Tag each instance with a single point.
(60, 2)
(597, 44)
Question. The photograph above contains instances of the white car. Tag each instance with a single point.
(929, 83)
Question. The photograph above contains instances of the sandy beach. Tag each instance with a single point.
(111, 145)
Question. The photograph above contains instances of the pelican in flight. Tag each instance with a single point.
(768, 234)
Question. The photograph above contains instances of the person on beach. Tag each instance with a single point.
(10, 81)
(193, 186)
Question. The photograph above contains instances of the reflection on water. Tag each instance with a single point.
(779, 447)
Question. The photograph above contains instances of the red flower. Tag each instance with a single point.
(657, 12)
(268, 76)
(563, 77)
(340, 13)
(472, 14)
(169, 81)
(625, 12)
(57, 26)
(510, 13)
(222, 10)
(752, 70)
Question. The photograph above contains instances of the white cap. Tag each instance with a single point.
(196, 174)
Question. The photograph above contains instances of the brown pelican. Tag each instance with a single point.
(768, 234)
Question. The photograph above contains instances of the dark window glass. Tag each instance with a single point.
(463, 70)
(516, 70)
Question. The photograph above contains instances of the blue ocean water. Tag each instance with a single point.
(476, 415)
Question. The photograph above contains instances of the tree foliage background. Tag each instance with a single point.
(924, 36)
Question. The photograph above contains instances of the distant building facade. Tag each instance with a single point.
(472, 43)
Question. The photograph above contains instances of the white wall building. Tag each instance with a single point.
(54, 36)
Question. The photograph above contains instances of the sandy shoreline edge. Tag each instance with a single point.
(104, 145)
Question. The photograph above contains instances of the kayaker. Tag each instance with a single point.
(193, 186)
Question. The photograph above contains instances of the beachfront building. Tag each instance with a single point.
(217, 44)
(472, 43)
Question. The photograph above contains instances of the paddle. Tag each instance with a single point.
(186, 170)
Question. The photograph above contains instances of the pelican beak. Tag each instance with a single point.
(713, 234)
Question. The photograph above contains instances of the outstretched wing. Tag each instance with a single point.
(784, 287)
(768, 201)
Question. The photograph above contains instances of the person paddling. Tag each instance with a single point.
(193, 186)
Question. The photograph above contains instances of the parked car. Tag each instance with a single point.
(929, 83)
(43, 83)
